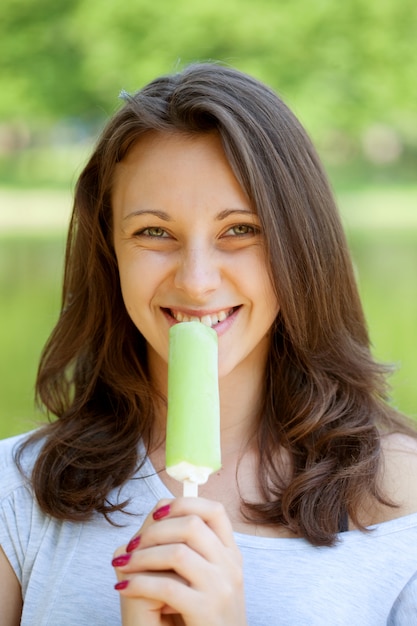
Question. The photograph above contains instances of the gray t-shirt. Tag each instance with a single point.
(367, 579)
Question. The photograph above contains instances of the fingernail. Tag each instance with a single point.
(121, 585)
(163, 511)
(133, 544)
(121, 560)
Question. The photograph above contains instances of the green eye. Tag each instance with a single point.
(242, 229)
(154, 231)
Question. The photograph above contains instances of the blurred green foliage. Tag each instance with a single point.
(341, 65)
(348, 69)
(30, 277)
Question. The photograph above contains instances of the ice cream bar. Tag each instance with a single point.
(193, 420)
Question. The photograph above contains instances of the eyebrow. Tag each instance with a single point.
(166, 218)
(227, 212)
(161, 214)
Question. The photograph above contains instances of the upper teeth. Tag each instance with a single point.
(208, 320)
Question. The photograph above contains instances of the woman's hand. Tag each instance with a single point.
(183, 568)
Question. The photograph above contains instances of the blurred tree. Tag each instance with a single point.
(40, 60)
(341, 65)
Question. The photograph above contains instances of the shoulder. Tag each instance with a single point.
(11, 477)
(8, 448)
(398, 473)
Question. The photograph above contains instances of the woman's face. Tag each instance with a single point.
(189, 246)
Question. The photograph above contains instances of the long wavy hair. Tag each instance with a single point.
(324, 400)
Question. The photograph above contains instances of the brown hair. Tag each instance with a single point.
(324, 394)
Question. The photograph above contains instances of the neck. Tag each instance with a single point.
(240, 405)
(241, 394)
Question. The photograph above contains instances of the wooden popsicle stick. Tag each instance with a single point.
(190, 489)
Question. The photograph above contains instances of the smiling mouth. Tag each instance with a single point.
(211, 319)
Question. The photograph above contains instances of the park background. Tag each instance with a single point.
(347, 69)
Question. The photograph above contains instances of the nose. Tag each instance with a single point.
(198, 272)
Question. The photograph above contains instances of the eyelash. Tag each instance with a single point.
(146, 232)
(250, 229)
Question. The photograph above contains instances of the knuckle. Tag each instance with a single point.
(193, 524)
(170, 588)
(218, 509)
(179, 553)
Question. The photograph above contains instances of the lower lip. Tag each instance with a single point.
(220, 328)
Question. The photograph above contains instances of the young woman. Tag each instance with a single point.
(204, 199)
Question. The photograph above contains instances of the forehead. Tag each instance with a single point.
(156, 147)
(165, 164)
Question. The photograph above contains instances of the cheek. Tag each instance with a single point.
(255, 261)
(141, 284)
(264, 287)
(132, 287)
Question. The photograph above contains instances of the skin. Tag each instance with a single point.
(188, 566)
(10, 594)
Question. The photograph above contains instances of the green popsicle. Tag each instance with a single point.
(193, 420)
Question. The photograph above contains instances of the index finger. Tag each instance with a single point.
(211, 512)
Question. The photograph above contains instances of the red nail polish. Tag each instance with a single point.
(133, 544)
(121, 585)
(163, 511)
(121, 560)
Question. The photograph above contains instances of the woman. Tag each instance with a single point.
(204, 198)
